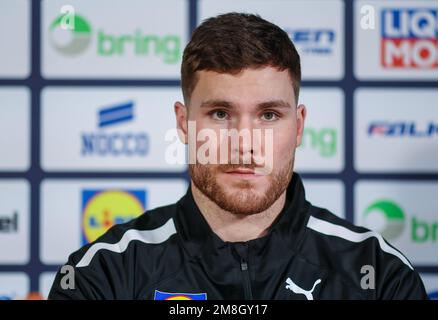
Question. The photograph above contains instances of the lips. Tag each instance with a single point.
(241, 171)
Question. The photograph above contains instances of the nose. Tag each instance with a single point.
(244, 129)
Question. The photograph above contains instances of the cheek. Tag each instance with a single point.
(285, 139)
(207, 142)
(281, 149)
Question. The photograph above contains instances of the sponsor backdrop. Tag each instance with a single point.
(86, 104)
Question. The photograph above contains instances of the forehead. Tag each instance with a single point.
(248, 87)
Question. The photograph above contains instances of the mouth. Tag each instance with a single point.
(244, 173)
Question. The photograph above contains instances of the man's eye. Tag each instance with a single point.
(269, 116)
(219, 114)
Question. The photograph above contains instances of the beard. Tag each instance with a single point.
(245, 201)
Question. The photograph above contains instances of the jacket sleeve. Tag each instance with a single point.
(397, 278)
(96, 273)
(95, 281)
(403, 284)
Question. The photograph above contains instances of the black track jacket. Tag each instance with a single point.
(308, 253)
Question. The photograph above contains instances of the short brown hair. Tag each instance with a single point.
(234, 41)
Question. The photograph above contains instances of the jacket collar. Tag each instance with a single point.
(284, 234)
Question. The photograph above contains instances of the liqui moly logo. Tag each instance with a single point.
(409, 38)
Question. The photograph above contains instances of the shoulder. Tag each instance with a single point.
(153, 227)
(106, 268)
(349, 250)
(341, 237)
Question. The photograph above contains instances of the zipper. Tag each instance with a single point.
(246, 279)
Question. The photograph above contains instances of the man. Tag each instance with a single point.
(244, 229)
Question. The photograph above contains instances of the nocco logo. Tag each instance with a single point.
(313, 41)
(323, 141)
(101, 209)
(389, 219)
(108, 142)
(409, 38)
(74, 41)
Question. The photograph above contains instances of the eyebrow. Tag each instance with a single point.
(273, 104)
(214, 103)
(217, 103)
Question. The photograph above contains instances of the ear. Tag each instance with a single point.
(181, 121)
(301, 117)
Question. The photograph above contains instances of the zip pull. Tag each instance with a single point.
(242, 251)
(246, 279)
(243, 265)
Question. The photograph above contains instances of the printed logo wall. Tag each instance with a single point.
(84, 129)
(45, 283)
(101, 129)
(13, 285)
(402, 46)
(135, 39)
(15, 128)
(329, 194)
(14, 221)
(404, 213)
(316, 27)
(322, 148)
(431, 284)
(396, 130)
(75, 212)
(15, 39)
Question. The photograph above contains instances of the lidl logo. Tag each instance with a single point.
(74, 41)
(390, 219)
(70, 41)
(117, 142)
(409, 38)
(101, 209)
(160, 295)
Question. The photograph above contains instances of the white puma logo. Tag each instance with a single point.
(292, 286)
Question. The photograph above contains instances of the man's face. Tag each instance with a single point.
(260, 102)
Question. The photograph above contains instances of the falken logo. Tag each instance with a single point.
(160, 295)
(409, 129)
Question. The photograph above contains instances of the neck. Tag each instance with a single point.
(237, 227)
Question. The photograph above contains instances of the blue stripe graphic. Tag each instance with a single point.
(116, 114)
